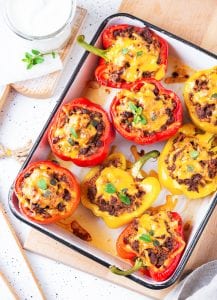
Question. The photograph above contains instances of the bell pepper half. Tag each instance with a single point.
(47, 192)
(130, 53)
(146, 112)
(200, 94)
(188, 163)
(81, 132)
(117, 194)
(153, 243)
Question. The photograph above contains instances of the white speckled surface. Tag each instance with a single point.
(20, 120)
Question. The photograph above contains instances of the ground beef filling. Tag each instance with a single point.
(204, 111)
(150, 42)
(178, 151)
(114, 206)
(158, 254)
(95, 119)
(54, 198)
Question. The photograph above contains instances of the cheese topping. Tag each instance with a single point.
(156, 111)
(156, 238)
(201, 95)
(45, 193)
(134, 58)
(192, 160)
(78, 132)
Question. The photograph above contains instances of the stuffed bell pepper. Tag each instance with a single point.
(81, 132)
(200, 94)
(153, 243)
(130, 53)
(116, 194)
(47, 192)
(146, 113)
(188, 163)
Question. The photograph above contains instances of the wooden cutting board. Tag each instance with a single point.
(195, 21)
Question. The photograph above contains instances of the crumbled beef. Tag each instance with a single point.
(201, 84)
(192, 183)
(127, 114)
(135, 245)
(205, 111)
(91, 193)
(126, 32)
(212, 168)
(26, 175)
(55, 140)
(156, 91)
(169, 243)
(61, 206)
(66, 195)
(146, 35)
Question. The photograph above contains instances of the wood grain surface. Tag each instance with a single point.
(195, 21)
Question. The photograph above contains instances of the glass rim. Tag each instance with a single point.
(40, 37)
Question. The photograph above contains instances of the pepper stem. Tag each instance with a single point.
(138, 265)
(92, 49)
(139, 163)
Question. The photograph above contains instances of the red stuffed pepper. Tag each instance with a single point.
(81, 132)
(146, 113)
(130, 53)
(47, 192)
(153, 243)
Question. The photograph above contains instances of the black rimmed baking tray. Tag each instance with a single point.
(102, 248)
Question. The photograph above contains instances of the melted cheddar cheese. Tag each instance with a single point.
(45, 194)
(157, 236)
(156, 109)
(200, 95)
(135, 57)
(74, 137)
(192, 160)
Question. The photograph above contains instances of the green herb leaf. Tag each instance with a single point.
(151, 232)
(28, 55)
(37, 60)
(73, 132)
(139, 53)
(145, 237)
(29, 66)
(124, 198)
(133, 107)
(214, 96)
(71, 141)
(190, 168)
(156, 243)
(36, 52)
(194, 154)
(42, 184)
(143, 120)
(110, 188)
(35, 57)
(125, 50)
(137, 119)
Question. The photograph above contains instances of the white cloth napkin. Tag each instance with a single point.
(201, 284)
(12, 50)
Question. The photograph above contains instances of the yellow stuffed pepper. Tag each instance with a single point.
(188, 163)
(117, 194)
(200, 94)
